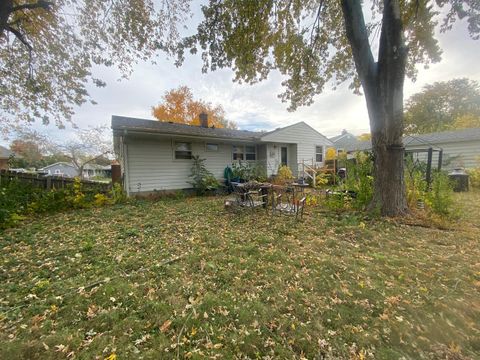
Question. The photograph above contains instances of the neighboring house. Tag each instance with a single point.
(60, 169)
(460, 148)
(344, 142)
(5, 155)
(95, 170)
(157, 155)
(69, 170)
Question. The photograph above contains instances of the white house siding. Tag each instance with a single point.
(455, 154)
(152, 165)
(274, 157)
(306, 139)
(61, 169)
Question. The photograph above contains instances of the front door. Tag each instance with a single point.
(284, 158)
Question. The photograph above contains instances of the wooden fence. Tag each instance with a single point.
(50, 182)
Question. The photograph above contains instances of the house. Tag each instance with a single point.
(156, 156)
(69, 170)
(95, 170)
(344, 142)
(5, 155)
(459, 148)
(60, 169)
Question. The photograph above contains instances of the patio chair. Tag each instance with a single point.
(285, 202)
(247, 198)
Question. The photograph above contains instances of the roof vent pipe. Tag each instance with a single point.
(203, 119)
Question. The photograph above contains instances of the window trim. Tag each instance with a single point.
(244, 152)
(175, 142)
(242, 147)
(211, 143)
(250, 153)
(322, 153)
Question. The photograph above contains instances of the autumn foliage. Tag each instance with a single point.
(179, 106)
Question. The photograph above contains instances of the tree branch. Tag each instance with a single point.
(95, 158)
(20, 37)
(357, 35)
(40, 4)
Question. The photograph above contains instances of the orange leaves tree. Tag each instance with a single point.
(179, 106)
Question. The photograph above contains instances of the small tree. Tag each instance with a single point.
(203, 180)
(179, 106)
(86, 147)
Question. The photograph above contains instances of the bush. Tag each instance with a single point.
(322, 179)
(284, 175)
(474, 177)
(18, 199)
(439, 198)
(203, 180)
(415, 183)
(359, 180)
(248, 171)
(117, 194)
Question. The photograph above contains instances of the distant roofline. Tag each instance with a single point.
(58, 163)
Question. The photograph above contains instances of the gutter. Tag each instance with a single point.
(125, 132)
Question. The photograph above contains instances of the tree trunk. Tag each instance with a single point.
(388, 153)
(382, 83)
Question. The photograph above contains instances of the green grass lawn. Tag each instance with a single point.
(188, 279)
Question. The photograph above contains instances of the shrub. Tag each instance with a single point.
(203, 180)
(415, 183)
(359, 180)
(101, 200)
(18, 199)
(474, 177)
(439, 198)
(284, 175)
(321, 179)
(117, 194)
(249, 171)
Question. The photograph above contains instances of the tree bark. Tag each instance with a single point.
(382, 83)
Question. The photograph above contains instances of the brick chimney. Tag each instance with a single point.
(203, 119)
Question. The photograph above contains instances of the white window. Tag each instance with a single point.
(237, 152)
(57, 171)
(250, 153)
(211, 147)
(340, 151)
(183, 150)
(319, 153)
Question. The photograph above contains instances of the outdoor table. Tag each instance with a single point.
(264, 188)
(300, 186)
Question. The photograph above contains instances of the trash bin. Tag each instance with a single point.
(460, 179)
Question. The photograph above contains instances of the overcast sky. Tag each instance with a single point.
(256, 107)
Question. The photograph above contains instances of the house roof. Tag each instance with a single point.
(97, 167)
(344, 134)
(345, 141)
(263, 134)
(4, 152)
(58, 163)
(446, 136)
(155, 126)
(431, 139)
